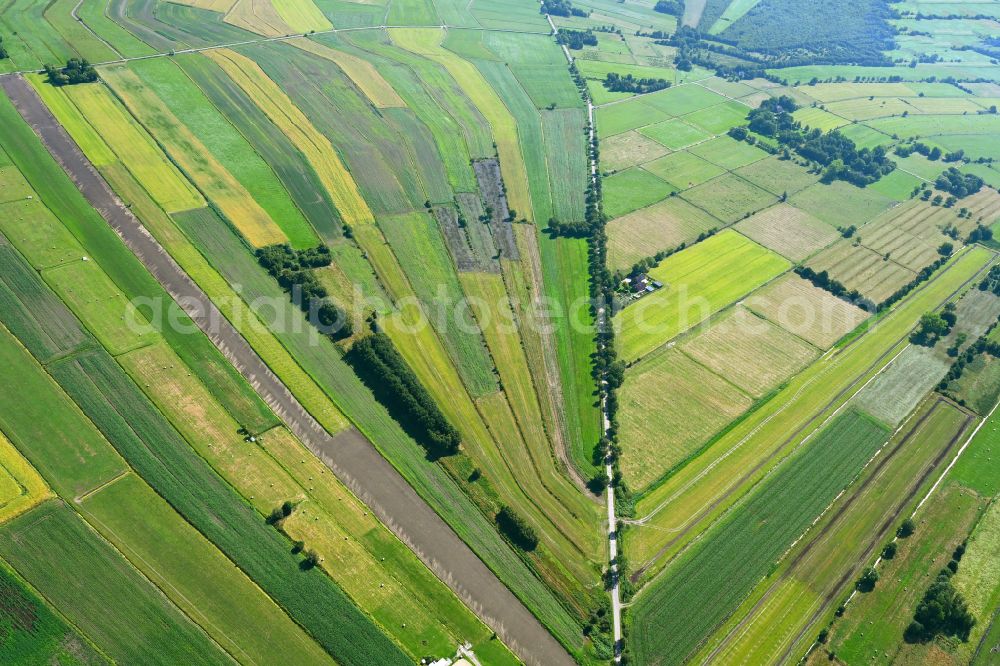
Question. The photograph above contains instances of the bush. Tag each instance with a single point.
(517, 529)
(868, 580)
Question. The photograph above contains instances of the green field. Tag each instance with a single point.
(632, 189)
(90, 583)
(697, 282)
(731, 558)
(33, 632)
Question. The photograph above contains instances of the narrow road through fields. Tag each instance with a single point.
(349, 454)
(602, 323)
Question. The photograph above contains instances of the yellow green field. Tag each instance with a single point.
(361, 72)
(697, 282)
(21, 487)
(198, 163)
(314, 145)
(427, 43)
(110, 127)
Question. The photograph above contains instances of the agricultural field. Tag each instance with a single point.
(687, 297)
(577, 244)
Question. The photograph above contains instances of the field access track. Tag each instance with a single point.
(349, 455)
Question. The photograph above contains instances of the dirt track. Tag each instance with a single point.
(349, 455)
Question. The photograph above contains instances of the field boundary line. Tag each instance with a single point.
(704, 513)
(350, 455)
(104, 484)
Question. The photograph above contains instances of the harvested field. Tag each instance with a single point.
(789, 231)
(35, 231)
(699, 281)
(749, 351)
(898, 389)
(729, 197)
(861, 268)
(815, 117)
(809, 312)
(670, 405)
(628, 149)
(664, 225)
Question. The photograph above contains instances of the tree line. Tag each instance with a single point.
(627, 83)
(294, 271)
(394, 384)
(834, 151)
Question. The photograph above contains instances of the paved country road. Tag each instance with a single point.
(349, 454)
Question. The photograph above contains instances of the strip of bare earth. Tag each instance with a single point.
(349, 454)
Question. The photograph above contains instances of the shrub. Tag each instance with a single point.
(517, 529)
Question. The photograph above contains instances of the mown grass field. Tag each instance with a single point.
(679, 611)
(671, 405)
(783, 422)
(697, 282)
(749, 351)
(789, 231)
(662, 226)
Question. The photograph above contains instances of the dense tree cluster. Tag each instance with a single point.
(982, 345)
(803, 32)
(942, 610)
(672, 7)
(934, 326)
(293, 269)
(576, 39)
(932, 153)
(957, 183)
(395, 385)
(77, 70)
(834, 151)
(980, 234)
(618, 83)
(992, 281)
(517, 529)
(561, 8)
